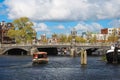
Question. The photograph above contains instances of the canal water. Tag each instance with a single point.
(58, 68)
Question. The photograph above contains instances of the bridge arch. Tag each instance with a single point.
(49, 50)
(91, 50)
(15, 51)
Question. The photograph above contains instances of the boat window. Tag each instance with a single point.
(45, 55)
(40, 55)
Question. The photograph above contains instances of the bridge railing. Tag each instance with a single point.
(55, 44)
(92, 44)
(9, 45)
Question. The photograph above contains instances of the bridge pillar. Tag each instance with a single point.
(33, 50)
(0, 45)
(1, 51)
(72, 52)
(29, 52)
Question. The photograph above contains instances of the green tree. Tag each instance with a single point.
(44, 40)
(113, 37)
(69, 38)
(89, 35)
(22, 30)
(63, 38)
(82, 40)
(93, 39)
(54, 35)
(77, 39)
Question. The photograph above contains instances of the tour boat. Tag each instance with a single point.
(109, 56)
(40, 57)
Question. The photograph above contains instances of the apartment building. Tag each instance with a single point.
(4, 27)
(110, 31)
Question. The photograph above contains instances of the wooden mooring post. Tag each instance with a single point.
(83, 57)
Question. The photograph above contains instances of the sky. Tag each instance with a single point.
(61, 16)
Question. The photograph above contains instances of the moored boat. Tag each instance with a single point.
(110, 56)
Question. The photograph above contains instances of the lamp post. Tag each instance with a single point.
(73, 33)
(34, 36)
(23, 39)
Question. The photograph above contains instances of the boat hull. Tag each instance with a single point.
(109, 56)
(40, 57)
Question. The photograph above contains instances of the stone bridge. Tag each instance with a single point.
(26, 49)
(19, 49)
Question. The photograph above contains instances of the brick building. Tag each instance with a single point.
(104, 31)
(110, 31)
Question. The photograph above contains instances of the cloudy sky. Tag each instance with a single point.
(60, 16)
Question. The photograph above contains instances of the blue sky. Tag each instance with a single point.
(61, 16)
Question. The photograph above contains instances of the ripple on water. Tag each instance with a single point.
(58, 68)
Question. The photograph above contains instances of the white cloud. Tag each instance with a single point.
(41, 27)
(60, 27)
(83, 27)
(64, 9)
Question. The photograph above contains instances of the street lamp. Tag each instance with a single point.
(34, 36)
(118, 36)
(73, 33)
(23, 39)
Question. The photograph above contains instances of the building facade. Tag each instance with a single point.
(109, 31)
(104, 31)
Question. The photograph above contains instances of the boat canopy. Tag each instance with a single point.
(111, 50)
(40, 53)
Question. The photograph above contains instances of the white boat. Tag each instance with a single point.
(109, 56)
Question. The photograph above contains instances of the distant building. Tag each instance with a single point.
(4, 27)
(104, 31)
(100, 37)
(84, 35)
(109, 31)
(53, 39)
(42, 38)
